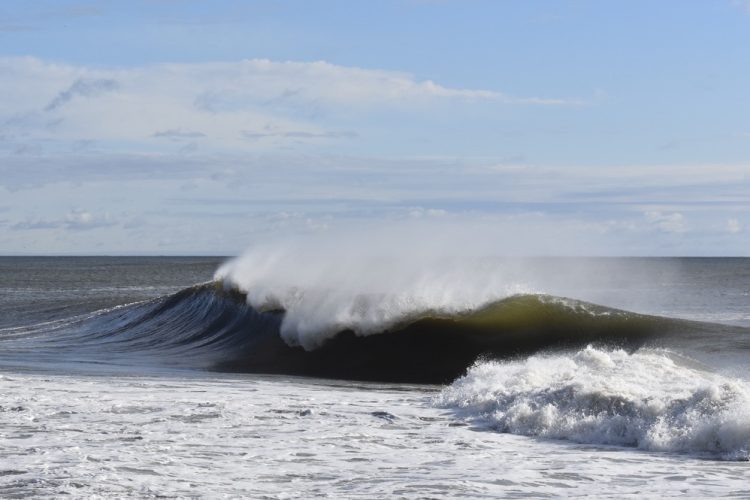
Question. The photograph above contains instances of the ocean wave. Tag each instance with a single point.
(210, 326)
(327, 292)
(649, 399)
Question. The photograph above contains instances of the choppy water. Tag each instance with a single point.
(666, 418)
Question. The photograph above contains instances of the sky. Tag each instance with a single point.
(178, 127)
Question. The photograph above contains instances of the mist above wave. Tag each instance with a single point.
(645, 400)
(369, 279)
(365, 285)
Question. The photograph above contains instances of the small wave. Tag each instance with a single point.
(646, 399)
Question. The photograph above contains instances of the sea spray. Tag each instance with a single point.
(370, 279)
(323, 294)
(649, 399)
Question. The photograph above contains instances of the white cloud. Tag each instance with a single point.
(218, 203)
(734, 226)
(77, 219)
(668, 222)
(146, 202)
(420, 212)
(251, 104)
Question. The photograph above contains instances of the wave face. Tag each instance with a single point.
(196, 327)
(648, 399)
(210, 327)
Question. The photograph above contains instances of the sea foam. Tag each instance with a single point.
(649, 399)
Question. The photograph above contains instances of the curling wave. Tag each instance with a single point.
(210, 326)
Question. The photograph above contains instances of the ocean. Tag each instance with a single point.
(273, 376)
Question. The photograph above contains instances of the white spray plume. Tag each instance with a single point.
(367, 279)
(370, 278)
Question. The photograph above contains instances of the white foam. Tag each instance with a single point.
(645, 400)
(201, 435)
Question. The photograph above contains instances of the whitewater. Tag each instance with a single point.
(274, 376)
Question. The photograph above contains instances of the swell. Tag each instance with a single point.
(209, 327)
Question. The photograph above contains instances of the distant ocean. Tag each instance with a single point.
(492, 377)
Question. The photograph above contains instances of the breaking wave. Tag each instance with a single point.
(213, 327)
(649, 399)
(529, 364)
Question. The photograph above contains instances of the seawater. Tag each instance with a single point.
(595, 421)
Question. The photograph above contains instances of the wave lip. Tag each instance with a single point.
(647, 399)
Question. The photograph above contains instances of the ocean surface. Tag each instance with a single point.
(273, 376)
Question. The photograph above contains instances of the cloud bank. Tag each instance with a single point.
(209, 157)
(223, 106)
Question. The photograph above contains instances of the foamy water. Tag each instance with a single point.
(208, 437)
(649, 400)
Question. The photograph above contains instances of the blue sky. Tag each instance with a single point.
(182, 127)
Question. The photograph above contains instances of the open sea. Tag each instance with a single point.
(268, 377)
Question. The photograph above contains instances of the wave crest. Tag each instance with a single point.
(322, 297)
